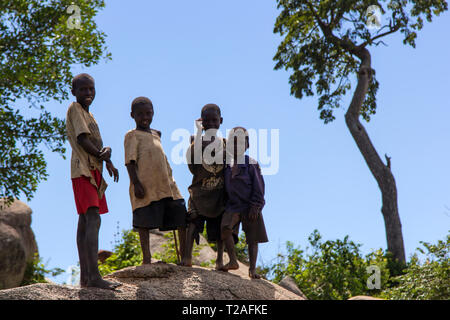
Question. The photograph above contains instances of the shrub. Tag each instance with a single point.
(36, 271)
(126, 253)
(429, 280)
(329, 270)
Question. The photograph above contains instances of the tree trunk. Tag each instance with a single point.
(381, 172)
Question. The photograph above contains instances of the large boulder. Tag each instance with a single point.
(17, 242)
(160, 281)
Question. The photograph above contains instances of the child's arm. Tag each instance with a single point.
(103, 154)
(190, 156)
(112, 170)
(88, 146)
(195, 149)
(139, 190)
(257, 201)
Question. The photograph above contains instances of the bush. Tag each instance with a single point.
(429, 280)
(331, 270)
(126, 253)
(36, 271)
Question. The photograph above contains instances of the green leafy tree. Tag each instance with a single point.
(325, 43)
(39, 42)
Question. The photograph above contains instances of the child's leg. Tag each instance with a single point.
(228, 224)
(92, 228)
(182, 238)
(82, 250)
(233, 263)
(253, 255)
(144, 237)
(219, 259)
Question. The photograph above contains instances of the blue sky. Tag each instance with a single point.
(183, 55)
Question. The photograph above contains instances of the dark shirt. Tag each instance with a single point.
(206, 191)
(246, 189)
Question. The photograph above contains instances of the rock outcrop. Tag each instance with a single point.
(160, 281)
(17, 242)
(289, 284)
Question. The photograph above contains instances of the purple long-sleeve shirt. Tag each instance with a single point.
(246, 189)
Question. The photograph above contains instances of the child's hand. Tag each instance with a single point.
(254, 213)
(105, 154)
(139, 190)
(112, 171)
(199, 125)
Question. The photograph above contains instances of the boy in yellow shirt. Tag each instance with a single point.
(155, 199)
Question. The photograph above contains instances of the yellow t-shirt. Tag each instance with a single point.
(80, 121)
(152, 168)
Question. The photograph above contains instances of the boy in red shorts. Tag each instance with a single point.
(88, 184)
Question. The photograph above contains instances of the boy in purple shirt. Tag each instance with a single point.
(244, 187)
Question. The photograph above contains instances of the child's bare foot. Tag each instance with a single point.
(103, 284)
(252, 274)
(230, 266)
(83, 283)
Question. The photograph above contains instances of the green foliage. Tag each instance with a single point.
(127, 252)
(336, 270)
(429, 280)
(36, 271)
(333, 270)
(169, 253)
(37, 50)
(324, 40)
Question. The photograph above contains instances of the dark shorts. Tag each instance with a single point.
(255, 231)
(86, 195)
(165, 214)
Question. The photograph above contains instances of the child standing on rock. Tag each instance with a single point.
(155, 199)
(86, 166)
(244, 187)
(206, 159)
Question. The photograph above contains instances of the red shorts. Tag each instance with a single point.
(86, 195)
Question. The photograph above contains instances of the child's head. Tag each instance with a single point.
(142, 112)
(211, 117)
(239, 141)
(83, 88)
